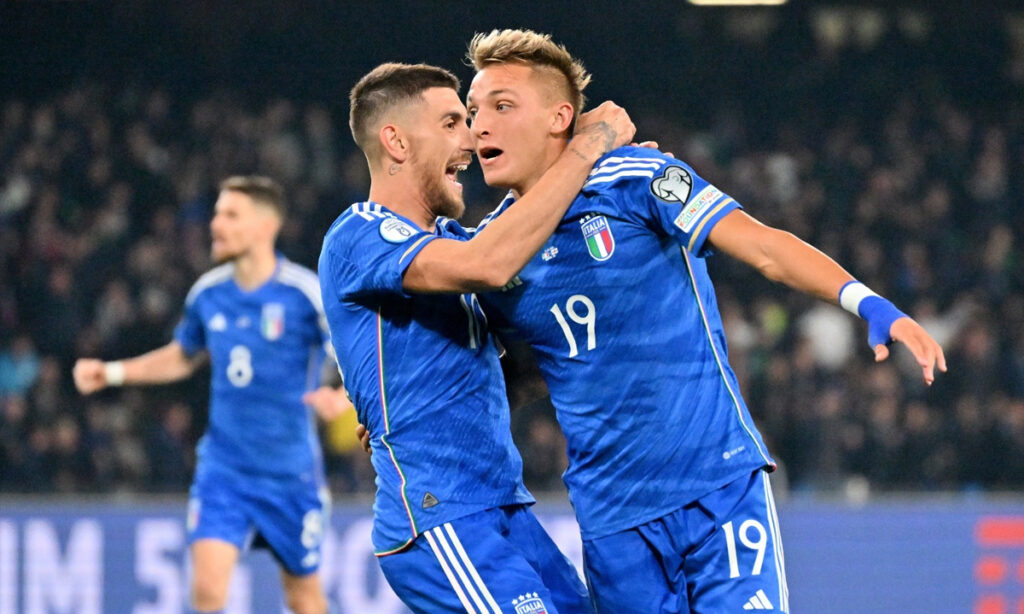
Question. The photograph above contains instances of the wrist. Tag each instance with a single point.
(852, 295)
(584, 153)
(113, 372)
(880, 313)
(594, 141)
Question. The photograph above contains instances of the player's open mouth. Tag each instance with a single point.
(452, 171)
(486, 154)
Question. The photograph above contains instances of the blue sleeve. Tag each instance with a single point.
(673, 200)
(449, 228)
(365, 258)
(189, 332)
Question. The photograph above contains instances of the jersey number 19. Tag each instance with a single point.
(587, 318)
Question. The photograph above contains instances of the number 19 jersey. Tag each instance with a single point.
(622, 317)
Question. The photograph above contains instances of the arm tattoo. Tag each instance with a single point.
(600, 134)
(578, 154)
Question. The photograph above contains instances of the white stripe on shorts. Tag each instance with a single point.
(457, 565)
(448, 573)
(777, 553)
(471, 567)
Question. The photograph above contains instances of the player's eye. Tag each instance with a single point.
(502, 106)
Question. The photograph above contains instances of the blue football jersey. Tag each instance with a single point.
(622, 317)
(267, 347)
(423, 373)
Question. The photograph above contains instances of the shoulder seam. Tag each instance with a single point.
(304, 280)
(213, 277)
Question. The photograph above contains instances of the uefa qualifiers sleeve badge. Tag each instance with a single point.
(394, 230)
(673, 186)
(598, 235)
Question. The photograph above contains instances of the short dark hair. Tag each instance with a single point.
(262, 190)
(384, 87)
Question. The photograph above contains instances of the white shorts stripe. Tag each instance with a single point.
(471, 567)
(474, 595)
(448, 573)
(780, 560)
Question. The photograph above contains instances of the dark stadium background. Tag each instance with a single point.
(887, 134)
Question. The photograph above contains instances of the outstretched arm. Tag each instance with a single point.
(494, 256)
(782, 257)
(160, 366)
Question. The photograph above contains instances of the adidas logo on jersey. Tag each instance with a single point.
(218, 323)
(758, 602)
(515, 283)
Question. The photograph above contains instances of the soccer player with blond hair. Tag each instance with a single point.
(667, 473)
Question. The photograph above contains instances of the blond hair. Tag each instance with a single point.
(534, 50)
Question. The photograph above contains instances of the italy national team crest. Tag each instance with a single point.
(272, 321)
(598, 234)
(529, 603)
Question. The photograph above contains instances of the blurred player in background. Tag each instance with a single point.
(452, 530)
(667, 472)
(260, 472)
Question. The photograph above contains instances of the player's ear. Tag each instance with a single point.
(393, 142)
(270, 220)
(561, 118)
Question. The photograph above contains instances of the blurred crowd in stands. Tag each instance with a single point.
(106, 192)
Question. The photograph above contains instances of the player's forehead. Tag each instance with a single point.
(441, 102)
(233, 200)
(508, 78)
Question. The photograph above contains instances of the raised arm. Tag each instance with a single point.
(160, 366)
(782, 257)
(494, 256)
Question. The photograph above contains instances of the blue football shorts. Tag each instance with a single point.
(286, 516)
(498, 561)
(720, 553)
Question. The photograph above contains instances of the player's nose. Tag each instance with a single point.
(467, 141)
(479, 127)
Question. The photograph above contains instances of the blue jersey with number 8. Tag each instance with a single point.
(267, 347)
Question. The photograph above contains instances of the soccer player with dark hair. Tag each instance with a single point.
(667, 473)
(260, 476)
(452, 530)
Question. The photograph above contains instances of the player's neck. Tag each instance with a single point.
(255, 267)
(402, 195)
(554, 149)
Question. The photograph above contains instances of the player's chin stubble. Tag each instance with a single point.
(441, 198)
(223, 257)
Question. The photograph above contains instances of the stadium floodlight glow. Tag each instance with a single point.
(738, 2)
